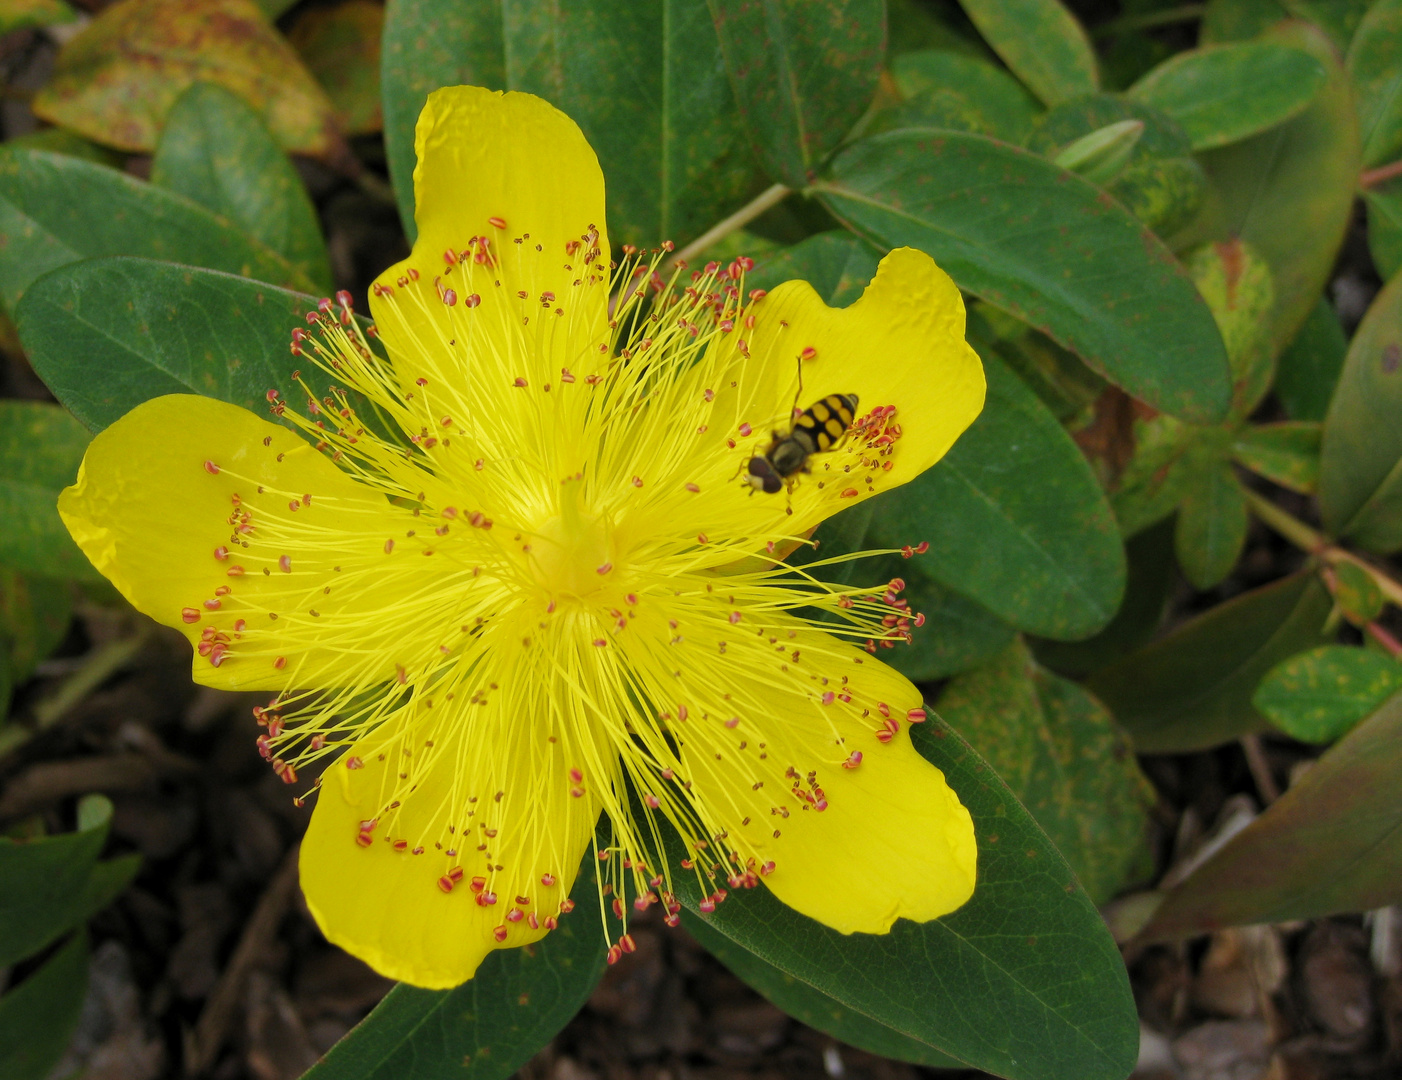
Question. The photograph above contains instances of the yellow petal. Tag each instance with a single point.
(771, 719)
(901, 344)
(513, 169)
(384, 903)
(162, 527)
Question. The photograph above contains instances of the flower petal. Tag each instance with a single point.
(794, 745)
(901, 344)
(158, 506)
(514, 170)
(423, 918)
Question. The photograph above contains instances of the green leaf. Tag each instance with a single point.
(1160, 184)
(1015, 519)
(813, 1007)
(837, 264)
(108, 334)
(341, 47)
(492, 1024)
(1057, 376)
(22, 14)
(1103, 154)
(1375, 67)
(1303, 172)
(1045, 246)
(1321, 695)
(59, 140)
(1211, 527)
(39, 1016)
(1238, 20)
(56, 209)
(1356, 592)
(1149, 583)
(1192, 689)
(803, 72)
(1224, 93)
(646, 84)
(1384, 202)
(215, 151)
(428, 44)
(1043, 44)
(1169, 458)
(1332, 843)
(1337, 18)
(41, 447)
(1286, 453)
(34, 616)
(46, 881)
(999, 103)
(1360, 467)
(1061, 754)
(108, 881)
(1308, 370)
(1048, 1000)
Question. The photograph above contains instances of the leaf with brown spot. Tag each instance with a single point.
(115, 82)
(341, 47)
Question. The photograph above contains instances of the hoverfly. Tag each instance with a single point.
(818, 429)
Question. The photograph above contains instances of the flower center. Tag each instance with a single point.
(570, 554)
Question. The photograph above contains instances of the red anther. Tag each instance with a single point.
(450, 257)
(478, 884)
(265, 747)
(907, 551)
(745, 430)
(673, 920)
(472, 300)
(364, 839)
(515, 915)
(272, 395)
(892, 724)
(551, 922)
(733, 722)
(400, 845)
(413, 274)
(617, 908)
(681, 712)
(919, 618)
(285, 771)
(221, 553)
(829, 697)
(455, 873)
(213, 605)
(280, 663)
(916, 716)
(445, 883)
(324, 304)
(211, 468)
(883, 735)
(652, 801)
(701, 538)
(599, 642)
(604, 569)
(547, 880)
(285, 564)
(808, 354)
(707, 906)
(726, 325)
(354, 762)
(734, 617)
(627, 944)
(497, 222)
(922, 547)
(758, 294)
(615, 954)
(449, 297)
(745, 263)
(190, 615)
(735, 881)
(312, 316)
(820, 805)
(849, 493)
(566, 906)
(883, 708)
(576, 775)
(767, 868)
(239, 624)
(488, 898)
(687, 864)
(217, 654)
(318, 742)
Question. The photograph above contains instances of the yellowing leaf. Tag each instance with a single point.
(341, 47)
(116, 81)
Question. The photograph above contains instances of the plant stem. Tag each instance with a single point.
(1380, 175)
(1311, 540)
(1182, 13)
(767, 198)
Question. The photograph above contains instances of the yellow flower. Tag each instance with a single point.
(550, 593)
